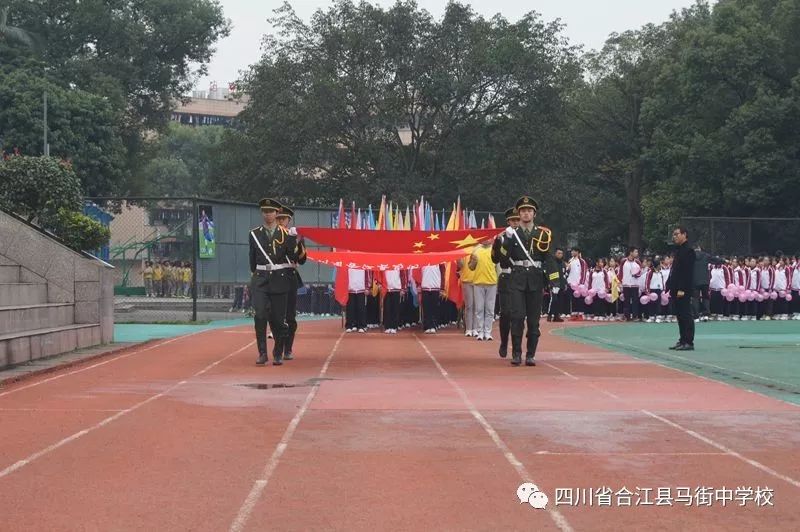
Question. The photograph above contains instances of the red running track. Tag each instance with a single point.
(405, 432)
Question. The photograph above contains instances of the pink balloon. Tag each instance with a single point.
(773, 295)
(601, 294)
(760, 298)
(653, 296)
(574, 286)
(576, 294)
(644, 300)
(724, 292)
(789, 297)
(664, 300)
(609, 298)
(742, 298)
(592, 292)
(588, 300)
(730, 297)
(782, 294)
(751, 296)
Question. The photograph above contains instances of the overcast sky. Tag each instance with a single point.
(588, 22)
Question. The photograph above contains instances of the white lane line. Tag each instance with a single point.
(261, 483)
(570, 375)
(555, 453)
(113, 358)
(35, 456)
(79, 410)
(726, 450)
(557, 517)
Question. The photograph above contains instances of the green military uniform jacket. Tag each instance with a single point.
(537, 243)
(281, 249)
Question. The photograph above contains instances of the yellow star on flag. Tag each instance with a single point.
(419, 245)
(433, 236)
(466, 242)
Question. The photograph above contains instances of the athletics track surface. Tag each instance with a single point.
(377, 432)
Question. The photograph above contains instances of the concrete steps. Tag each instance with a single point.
(21, 318)
(14, 294)
(21, 347)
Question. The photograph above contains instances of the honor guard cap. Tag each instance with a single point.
(526, 202)
(512, 214)
(285, 211)
(269, 204)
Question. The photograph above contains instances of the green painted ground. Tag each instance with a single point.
(760, 356)
(141, 332)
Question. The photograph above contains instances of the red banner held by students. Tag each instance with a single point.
(416, 242)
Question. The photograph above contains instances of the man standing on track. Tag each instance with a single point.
(272, 251)
(503, 289)
(285, 216)
(528, 249)
(680, 285)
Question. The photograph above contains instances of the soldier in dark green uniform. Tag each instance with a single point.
(272, 251)
(284, 217)
(532, 266)
(503, 289)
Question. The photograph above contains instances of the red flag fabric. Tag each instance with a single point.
(343, 260)
(342, 279)
(419, 242)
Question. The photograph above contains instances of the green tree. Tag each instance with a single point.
(723, 116)
(82, 128)
(16, 35)
(140, 55)
(363, 101)
(184, 161)
(38, 188)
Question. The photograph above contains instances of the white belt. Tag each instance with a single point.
(505, 270)
(527, 263)
(272, 267)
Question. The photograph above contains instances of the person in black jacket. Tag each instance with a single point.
(680, 285)
(701, 294)
(285, 216)
(558, 305)
(503, 289)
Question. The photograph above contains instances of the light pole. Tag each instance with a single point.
(46, 148)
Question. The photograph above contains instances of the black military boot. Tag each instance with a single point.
(277, 352)
(261, 342)
(533, 342)
(503, 352)
(516, 358)
(529, 360)
(287, 347)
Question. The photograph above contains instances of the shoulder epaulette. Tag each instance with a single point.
(257, 228)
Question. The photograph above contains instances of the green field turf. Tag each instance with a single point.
(142, 332)
(762, 356)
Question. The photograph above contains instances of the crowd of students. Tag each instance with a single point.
(167, 279)
(631, 288)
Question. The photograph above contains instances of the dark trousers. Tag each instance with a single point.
(717, 302)
(356, 316)
(683, 310)
(600, 307)
(291, 316)
(653, 308)
(796, 298)
(526, 308)
(630, 307)
(270, 309)
(556, 303)
(700, 301)
(576, 304)
(391, 310)
(504, 299)
(373, 312)
(431, 303)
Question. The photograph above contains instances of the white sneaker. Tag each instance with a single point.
(362, 331)
(479, 337)
(350, 330)
(468, 333)
(488, 338)
(659, 320)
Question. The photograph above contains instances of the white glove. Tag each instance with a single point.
(292, 231)
(555, 290)
(509, 232)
